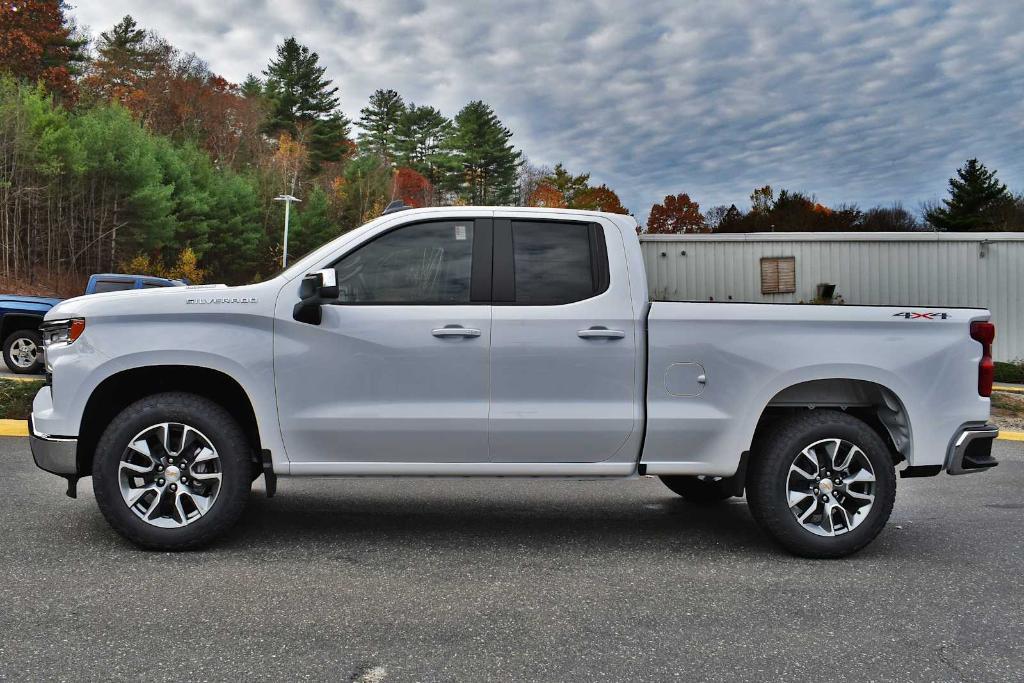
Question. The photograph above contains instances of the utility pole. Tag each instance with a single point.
(287, 199)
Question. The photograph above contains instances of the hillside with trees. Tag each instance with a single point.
(121, 152)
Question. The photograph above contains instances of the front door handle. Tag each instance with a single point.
(600, 333)
(455, 332)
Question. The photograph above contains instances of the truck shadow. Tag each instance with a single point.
(461, 518)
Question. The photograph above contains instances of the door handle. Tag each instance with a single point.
(455, 332)
(600, 333)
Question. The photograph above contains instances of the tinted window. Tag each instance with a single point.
(150, 284)
(552, 262)
(426, 263)
(113, 286)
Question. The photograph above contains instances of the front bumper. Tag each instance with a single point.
(55, 454)
(971, 450)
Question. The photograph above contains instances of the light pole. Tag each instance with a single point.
(287, 199)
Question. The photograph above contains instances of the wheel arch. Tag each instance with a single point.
(12, 322)
(121, 389)
(874, 403)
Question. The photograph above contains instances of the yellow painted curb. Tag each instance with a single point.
(1015, 390)
(1011, 436)
(13, 427)
(16, 378)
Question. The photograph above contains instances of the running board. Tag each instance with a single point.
(461, 469)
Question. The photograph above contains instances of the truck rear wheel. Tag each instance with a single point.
(23, 352)
(822, 484)
(172, 472)
(702, 490)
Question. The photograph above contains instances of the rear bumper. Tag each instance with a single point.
(55, 454)
(971, 450)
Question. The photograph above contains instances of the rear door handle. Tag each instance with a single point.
(600, 333)
(456, 332)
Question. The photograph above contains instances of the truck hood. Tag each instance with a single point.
(15, 298)
(164, 300)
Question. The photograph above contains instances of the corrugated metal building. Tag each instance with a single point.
(887, 268)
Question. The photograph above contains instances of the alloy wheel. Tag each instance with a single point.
(24, 352)
(830, 487)
(170, 475)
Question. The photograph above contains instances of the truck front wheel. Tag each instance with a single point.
(822, 484)
(172, 471)
(23, 352)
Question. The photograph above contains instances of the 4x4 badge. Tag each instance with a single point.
(913, 315)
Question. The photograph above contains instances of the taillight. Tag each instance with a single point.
(985, 333)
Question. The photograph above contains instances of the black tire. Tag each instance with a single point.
(700, 490)
(768, 477)
(223, 433)
(36, 339)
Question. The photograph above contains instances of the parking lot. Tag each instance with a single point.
(473, 580)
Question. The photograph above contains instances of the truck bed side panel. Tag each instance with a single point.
(748, 353)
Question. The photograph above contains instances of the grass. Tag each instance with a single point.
(16, 398)
(1010, 372)
(1008, 404)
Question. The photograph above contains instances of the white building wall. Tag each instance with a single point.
(902, 269)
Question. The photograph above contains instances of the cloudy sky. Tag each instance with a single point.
(858, 101)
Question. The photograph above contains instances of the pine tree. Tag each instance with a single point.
(420, 142)
(379, 121)
(487, 161)
(975, 198)
(251, 87)
(313, 225)
(569, 185)
(304, 103)
(125, 58)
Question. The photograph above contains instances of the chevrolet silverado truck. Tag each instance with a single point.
(504, 342)
(20, 317)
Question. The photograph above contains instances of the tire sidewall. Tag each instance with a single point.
(775, 469)
(225, 436)
(37, 339)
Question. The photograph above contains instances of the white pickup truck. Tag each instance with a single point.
(504, 342)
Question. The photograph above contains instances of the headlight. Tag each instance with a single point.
(62, 331)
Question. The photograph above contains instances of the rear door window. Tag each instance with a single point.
(555, 263)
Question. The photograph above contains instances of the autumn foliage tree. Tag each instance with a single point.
(547, 196)
(676, 214)
(561, 189)
(37, 44)
(601, 198)
(569, 185)
(412, 188)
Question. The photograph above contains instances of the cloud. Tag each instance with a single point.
(866, 102)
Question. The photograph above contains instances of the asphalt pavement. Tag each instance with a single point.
(511, 580)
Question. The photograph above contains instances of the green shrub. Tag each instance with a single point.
(1010, 372)
(16, 398)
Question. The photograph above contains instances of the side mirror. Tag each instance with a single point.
(317, 288)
